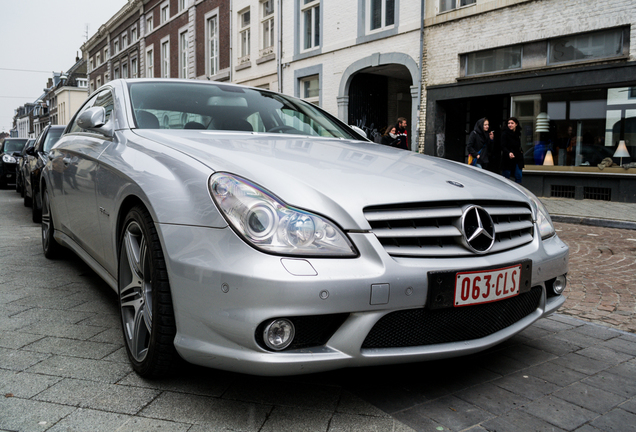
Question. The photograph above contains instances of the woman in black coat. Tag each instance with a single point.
(478, 143)
(511, 154)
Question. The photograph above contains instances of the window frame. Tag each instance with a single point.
(315, 6)
(212, 43)
(244, 35)
(467, 3)
(164, 12)
(574, 37)
(149, 23)
(134, 67)
(268, 37)
(164, 57)
(184, 55)
(150, 65)
(383, 25)
(465, 61)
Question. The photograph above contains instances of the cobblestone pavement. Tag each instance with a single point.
(63, 366)
(602, 277)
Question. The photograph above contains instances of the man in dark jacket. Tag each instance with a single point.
(402, 133)
(478, 143)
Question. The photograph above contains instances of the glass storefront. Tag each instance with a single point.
(577, 128)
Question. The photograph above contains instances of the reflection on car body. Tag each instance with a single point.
(250, 231)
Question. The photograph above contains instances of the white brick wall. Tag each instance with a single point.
(524, 22)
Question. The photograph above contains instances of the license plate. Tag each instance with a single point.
(476, 287)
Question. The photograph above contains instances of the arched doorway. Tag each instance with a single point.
(378, 89)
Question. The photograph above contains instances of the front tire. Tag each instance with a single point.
(145, 302)
(50, 246)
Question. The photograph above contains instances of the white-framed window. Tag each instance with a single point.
(310, 89)
(164, 12)
(212, 45)
(183, 4)
(446, 5)
(380, 14)
(92, 86)
(134, 68)
(149, 23)
(91, 65)
(82, 82)
(150, 61)
(310, 19)
(116, 73)
(99, 82)
(267, 27)
(133, 34)
(106, 54)
(183, 54)
(165, 58)
(124, 70)
(115, 46)
(124, 41)
(98, 59)
(586, 46)
(106, 77)
(244, 35)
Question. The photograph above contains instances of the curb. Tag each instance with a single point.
(606, 223)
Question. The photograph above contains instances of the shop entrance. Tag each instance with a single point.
(378, 96)
(459, 117)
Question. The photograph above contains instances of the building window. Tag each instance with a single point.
(588, 46)
(150, 72)
(493, 60)
(244, 35)
(99, 82)
(124, 70)
(82, 82)
(182, 5)
(381, 14)
(90, 65)
(310, 89)
(98, 59)
(446, 5)
(165, 12)
(133, 34)
(116, 73)
(149, 23)
(106, 55)
(124, 41)
(212, 46)
(310, 12)
(267, 25)
(183, 55)
(165, 59)
(134, 68)
(115, 47)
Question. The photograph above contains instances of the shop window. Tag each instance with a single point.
(446, 5)
(380, 14)
(493, 60)
(310, 13)
(588, 46)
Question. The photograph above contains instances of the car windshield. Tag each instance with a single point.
(11, 146)
(178, 105)
(51, 138)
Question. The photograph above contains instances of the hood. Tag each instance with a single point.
(334, 177)
(479, 126)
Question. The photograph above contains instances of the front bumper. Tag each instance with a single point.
(223, 290)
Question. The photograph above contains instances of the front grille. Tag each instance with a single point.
(312, 330)
(417, 327)
(420, 230)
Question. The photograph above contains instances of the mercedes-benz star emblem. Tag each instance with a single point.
(478, 230)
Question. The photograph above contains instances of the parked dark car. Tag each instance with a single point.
(19, 169)
(36, 159)
(9, 151)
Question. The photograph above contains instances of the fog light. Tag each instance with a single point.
(559, 284)
(278, 334)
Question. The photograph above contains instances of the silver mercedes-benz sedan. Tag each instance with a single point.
(250, 231)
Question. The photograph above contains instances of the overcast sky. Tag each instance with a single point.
(38, 37)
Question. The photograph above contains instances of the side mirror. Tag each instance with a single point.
(94, 119)
(30, 151)
(359, 131)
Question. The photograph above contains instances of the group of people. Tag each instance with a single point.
(481, 143)
(396, 136)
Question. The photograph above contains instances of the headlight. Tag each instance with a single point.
(539, 212)
(269, 224)
(8, 159)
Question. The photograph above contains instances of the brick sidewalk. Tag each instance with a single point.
(601, 281)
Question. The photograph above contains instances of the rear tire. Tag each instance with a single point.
(145, 301)
(50, 246)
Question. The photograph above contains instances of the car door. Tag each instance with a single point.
(80, 154)
(32, 165)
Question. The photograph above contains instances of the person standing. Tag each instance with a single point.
(512, 156)
(402, 133)
(478, 143)
(390, 138)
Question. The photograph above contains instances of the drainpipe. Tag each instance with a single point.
(231, 40)
(423, 7)
(279, 56)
